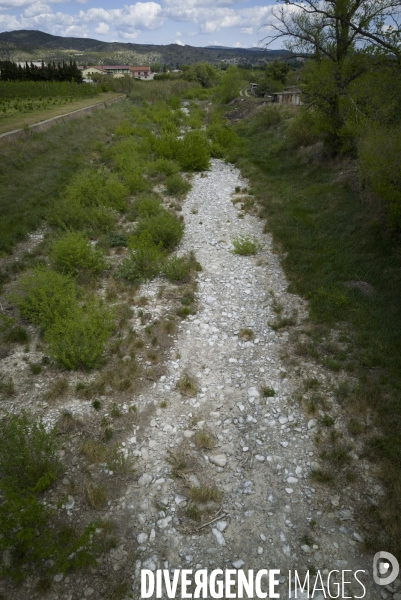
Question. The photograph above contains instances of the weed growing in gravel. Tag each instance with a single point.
(169, 325)
(163, 404)
(16, 334)
(58, 389)
(321, 476)
(145, 260)
(94, 451)
(355, 427)
(204, 494)
(176, 185)
(177, 462)
(246, 334)
(177, 268)
(193, 512)
(268, 392)
(246, 245)
(203, 440)
(187, 386)
(327, 421)
(96, 495)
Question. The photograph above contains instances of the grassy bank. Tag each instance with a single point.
(35, 169)
(338, 253)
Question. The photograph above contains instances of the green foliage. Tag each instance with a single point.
(176, 185)
(177, 268)
(72, 254)
(145, 259)
(145, 206)
(16, 334)
(164, 229)
(117, 238)
(174, 102)
(204, 73)
(380, 165)
(194, 152)
(162, 167)
(165, 146)
(278, 71)
(45, 296)
(28, 454)
(97, 188)
(222, 139)
(77, 340)
(302, 130)
(69, 213)
(246, 245)
(198, 93)
(230, 85)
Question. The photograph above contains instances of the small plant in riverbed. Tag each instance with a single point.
(246, 245)
(268, 392)
(203, 440)
(246, 334)
(58, 389)
(321, 476)
(96, 495)
(187, 386)
(97, 405)
(204, 494)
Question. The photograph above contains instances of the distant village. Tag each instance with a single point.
(116, 71)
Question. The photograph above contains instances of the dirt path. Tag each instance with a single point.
(264, 447)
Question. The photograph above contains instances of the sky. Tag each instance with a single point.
(234, 23)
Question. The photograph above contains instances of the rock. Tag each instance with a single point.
(238, 564)
(59, 577)
(259, 457)
(312, 423)
(260, 550)
(219, 537)
(262, 537)
(219, 460)
(335, 500)
(179, 499)
(358, 538)
(289, 490)
(162, 523)
(292, 480)
(145, 480)
(397, 596)
(194, 480)
(284, 444)
(70, 503)
(305, 548)
(88, 592)
(345, 515)
(221, 525)
(142, 538)
(149, 564)
(189, 434)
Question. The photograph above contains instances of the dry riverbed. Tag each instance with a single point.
(223, 447)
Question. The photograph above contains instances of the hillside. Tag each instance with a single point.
(36, 45)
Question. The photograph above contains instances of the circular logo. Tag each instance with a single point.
(385, 568)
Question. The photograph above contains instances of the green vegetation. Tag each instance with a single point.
(246, 245)
(72, 254)
(176, 185)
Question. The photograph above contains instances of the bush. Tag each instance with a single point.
(163, 228)
(380, 165)
(28, 454)
(69, 213)
(174, 102)
(194, 152)
(145, 207)
(45, 296)
(134, 179)
(77, 339)
(166, 146)
(145, 259)
(302, 130)
(117, 238)
(72, 254)
(246, 245)
(177, 185)
(162, 167)
(177, 268)
(97, 188)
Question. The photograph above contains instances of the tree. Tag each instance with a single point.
(344, 37)
(204, 73)
(277, 71)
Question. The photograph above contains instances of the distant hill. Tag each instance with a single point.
(36, 45)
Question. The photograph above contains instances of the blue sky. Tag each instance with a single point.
(192, 22)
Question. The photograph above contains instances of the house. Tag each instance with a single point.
(291, 96)
(87, 71)
(140, 72)
(117, 70)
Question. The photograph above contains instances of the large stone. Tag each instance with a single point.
(219, 537)
(145, 480)
(220, 460)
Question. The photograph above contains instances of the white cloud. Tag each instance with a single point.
(178, 34)
(179, 42)
(247, 30)
(102, 28)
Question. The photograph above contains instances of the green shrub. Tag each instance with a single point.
(117, 238)
(166, 146)
(45, 296)
(125, 128)
(302, 130)
(268, 116)
(69, 213)
(174, 102)
(163, 228)
(72, 254)
(145, 206)
(134, 179)
(177, 268)
(28, 453)
(16, 334)
(77, 339)
(162, 167)
(97, 188)
(177, 185)
(245, 245)
(194, 152)
(145, 259)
